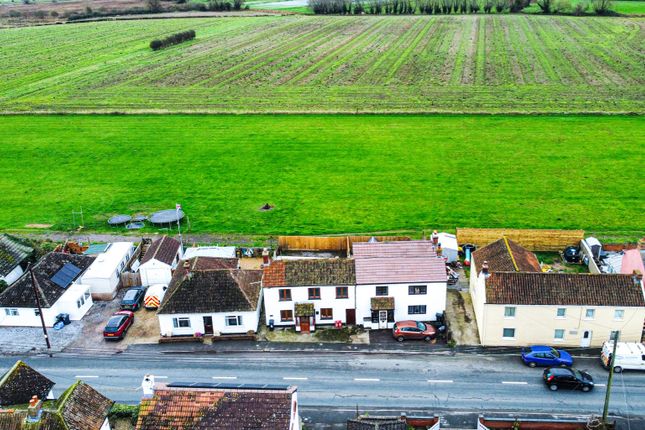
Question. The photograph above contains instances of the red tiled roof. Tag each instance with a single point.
(504, 255)
(163, 249)
(273, 275)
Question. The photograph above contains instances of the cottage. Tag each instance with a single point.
(60, 290)
(213, 406)
(516, 304)
(310, 292)
(104, 275)
(12, 256)
(398, 281)
(159, 261)
(211, 296)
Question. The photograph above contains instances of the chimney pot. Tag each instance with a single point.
(266, 258)
(148, 386)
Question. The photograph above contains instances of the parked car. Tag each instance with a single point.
(133, 298)
(154, 296)
(118, 325)
(567, 377)
(541, 355)
(629, 355)
(413, 330)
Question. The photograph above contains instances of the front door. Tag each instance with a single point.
(382, 319)
(350, 316)
(208, 325)
(304, 324)
(586, 339)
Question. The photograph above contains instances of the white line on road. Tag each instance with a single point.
(367, 379)
(85, 376)
(600, 385)
(295, 378)
(440, 381)
(160, 377)
(224, 377)
(515, 382)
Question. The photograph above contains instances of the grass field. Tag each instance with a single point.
(327, 173)
(312, 64)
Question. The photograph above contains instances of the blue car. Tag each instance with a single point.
(540, 355)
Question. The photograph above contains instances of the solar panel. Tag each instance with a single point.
(64, 277)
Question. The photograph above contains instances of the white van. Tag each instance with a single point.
(629, 355)
(154, 296)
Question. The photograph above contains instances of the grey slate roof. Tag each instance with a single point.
(163, 249)
(12, 253)
(21, 294)
(293, 273)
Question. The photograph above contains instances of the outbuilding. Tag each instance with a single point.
(160, 260)
(104, 275)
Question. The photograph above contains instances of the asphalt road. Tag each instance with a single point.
(332, 386)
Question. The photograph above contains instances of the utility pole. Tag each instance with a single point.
(611, 378)
(34, 284)
(177, 209)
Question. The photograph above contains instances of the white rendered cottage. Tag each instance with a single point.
(160, 260)
(104, 275)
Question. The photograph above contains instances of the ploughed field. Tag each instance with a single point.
(492, 64)
(326, 173)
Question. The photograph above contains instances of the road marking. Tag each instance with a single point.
(85, 376)
(367, 379)
(160, 377)
(224, 377)
(515, 382)
(295, 378)
(440, 381)
(600, 385)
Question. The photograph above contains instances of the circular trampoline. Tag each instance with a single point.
(167, 216)
(135, 225)
(139, 218)
(119, 219)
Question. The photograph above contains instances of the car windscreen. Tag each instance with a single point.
(555, 352)
(130, 295)
(421, 326)
(114, 323)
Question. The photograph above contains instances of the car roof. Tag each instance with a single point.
(561, 371)
(124, 312)
(407, 323)
(541, 348)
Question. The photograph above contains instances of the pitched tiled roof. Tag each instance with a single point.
(16, 420)
(163, 249)
(505, 255)
(562, 289)
(12, 253)
(330, 271)
(215, 409)
(21, 293)
(20, 383)
(212, 290)
(381, 303)
(403, 248)
(83, 408)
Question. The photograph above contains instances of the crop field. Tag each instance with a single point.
(327, 64)
(326, 173)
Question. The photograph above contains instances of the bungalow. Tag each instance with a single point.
(310, 292)
(104, 275)
(211, 296)
(398, 281)
(12, 255)
(516, 304)
(60, 290)
(159, 261)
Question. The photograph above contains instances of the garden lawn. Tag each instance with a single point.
(326, 174)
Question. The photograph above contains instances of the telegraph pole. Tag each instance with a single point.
(609, 381)
(177, 209)
(34, 284)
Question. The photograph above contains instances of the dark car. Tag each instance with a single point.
(567, 377)
(540, 355)
(413, 330)
(118, 325)
(133, 298)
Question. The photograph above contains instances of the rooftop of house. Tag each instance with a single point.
(505, 255)
(401, 248)
(107, 261)
(530, 288)
(20, 383)
(173, 408)
(314, 272)
(12, 253)
(163, 249)
(52, 271)
(205, 284)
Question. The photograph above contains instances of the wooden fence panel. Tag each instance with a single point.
(130, 279)
(327, 243)
(532, 239)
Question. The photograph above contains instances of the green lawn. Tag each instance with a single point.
(330, 64)
(327, 173)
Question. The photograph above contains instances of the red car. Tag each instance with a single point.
(413, 330)
(118, 325)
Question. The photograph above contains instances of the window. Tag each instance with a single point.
(558, 334)
(415, 290)
(382, 290)
(561, 313)
(285, 295)
(509, 333)
(590, 313)
(181, 322)
(11, 312)
(326, 313)
(80, 302)
(619, 314)
(613, 335)
(342, 292)
(233, 320)
(509, 312)
(314, 293)
(87, 294)
(286, 315)
(416, 310)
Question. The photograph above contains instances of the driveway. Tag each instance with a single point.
(379, 337)
(460, 317)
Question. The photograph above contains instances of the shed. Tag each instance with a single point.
(449, 247)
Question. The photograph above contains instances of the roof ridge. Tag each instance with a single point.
(154, 256)
(10, 371)
(510, 252)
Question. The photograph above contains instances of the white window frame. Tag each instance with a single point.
(513, 313)
(555, 334)
(622, 314)
(12, 312)
(176, 322)
(593, 313)
(508, 328)
(87, 294)
(564, 314)
(237, 318)
(425, 309)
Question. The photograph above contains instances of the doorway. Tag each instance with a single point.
(350, 316)
(304, 325)
(382, 319)
(586, 338)
(208, 325)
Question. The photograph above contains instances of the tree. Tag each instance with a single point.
(602, 7)
(154, 5)
(545, 5)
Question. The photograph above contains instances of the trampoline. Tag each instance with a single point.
(119, 219)
(139, 218)
(167, 216)
(135, 225)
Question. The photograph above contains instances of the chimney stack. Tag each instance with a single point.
(34, 410)
(637, 277)
(485, 269)
(266, 257)
(435, 238)
(148, 386)
(439, 250)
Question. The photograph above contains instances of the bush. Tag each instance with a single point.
(580, 8)
(562, 6)
(602, 7)
(120, 410)
(174, 39)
